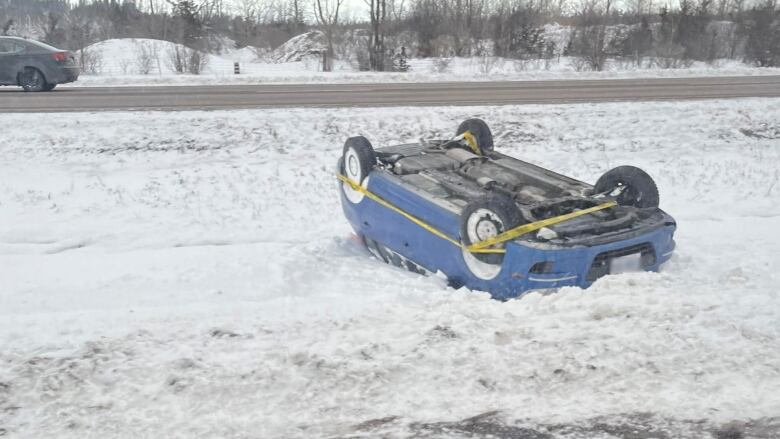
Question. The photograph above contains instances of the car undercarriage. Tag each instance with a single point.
(451, 176)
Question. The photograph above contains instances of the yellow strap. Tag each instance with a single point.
(526, 228)
(411, 218)
(478, 247)
(472, 141)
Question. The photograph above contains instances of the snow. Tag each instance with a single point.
(299, 47)
(119, 66)
(191, 275)
(122, 58)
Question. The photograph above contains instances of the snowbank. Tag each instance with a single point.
(299, 47)
(142, 58)
(119, 63)
(190, 275)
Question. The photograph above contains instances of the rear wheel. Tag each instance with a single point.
(359, 158)
(31, 79)
(635, 187)
(50, 87)
(357, 161)
(481, 132)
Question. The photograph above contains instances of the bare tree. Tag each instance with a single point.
(247, 8)
(397, 9)
(7, 26)
(50, 28)
(762, 29)
(376, 45)
(589, 40)
(297, 14)
(326, 13)
(147, 56)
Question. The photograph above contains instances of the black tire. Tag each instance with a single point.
(480, 130)
(359, 158)
(640, 189)
(49, 87)
(487, 217)
(32, 80)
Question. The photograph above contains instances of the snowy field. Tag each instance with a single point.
(119, 65)
(190, 275)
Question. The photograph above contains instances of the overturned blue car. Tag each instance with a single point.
(494, 223)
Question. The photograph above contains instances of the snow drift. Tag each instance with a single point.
(190, 275)
(299, 47)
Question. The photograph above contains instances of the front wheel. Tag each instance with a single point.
(632, 186)
(50, 87)
(31, 79)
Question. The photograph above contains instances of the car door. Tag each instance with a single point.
(10, 57)
(7, 61)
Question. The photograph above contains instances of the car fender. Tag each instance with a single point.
(23, 64)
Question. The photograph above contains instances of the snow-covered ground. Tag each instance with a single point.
(120, 63)
(190, 275)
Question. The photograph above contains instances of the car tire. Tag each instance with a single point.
(50, 87)
(480, 130)
(32, 80)
(486, 217)
(359, 158)
(640, 189)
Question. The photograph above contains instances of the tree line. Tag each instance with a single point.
(592, 32)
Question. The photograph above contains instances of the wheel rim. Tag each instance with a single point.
(31, 79)
(353, 171)
(483, 224)
(353, 165)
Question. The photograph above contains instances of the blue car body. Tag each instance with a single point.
(394, 236)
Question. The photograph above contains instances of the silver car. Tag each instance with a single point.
(35, 66)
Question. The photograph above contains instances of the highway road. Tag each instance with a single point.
(397, 94)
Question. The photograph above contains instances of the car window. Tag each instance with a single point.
(7, 47)
(42, 45)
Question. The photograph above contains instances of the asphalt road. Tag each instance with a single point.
(398, 94)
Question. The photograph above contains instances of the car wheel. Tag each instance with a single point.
(356, 163)
(481, 132)
(50, 87)
(638, 188)
(31, 79)
(485, 218)
(359, 158)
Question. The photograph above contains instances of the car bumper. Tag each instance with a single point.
(580, 266)
(65, 75)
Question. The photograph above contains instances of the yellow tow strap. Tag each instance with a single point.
(526, 228)
(478, 247)
(472, 141)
